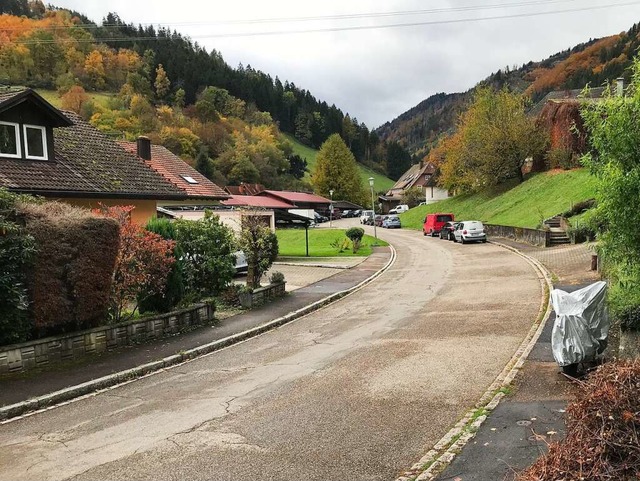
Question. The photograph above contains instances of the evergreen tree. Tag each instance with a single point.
(203, 164)
(336, 170)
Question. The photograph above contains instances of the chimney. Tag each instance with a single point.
(620, 87)
(144, 148)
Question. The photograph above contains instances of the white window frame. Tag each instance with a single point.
(44, 142)
(17, 132)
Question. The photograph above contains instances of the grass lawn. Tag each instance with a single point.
(381, 183)
(51, 96)
(292, 243)
(523, 205)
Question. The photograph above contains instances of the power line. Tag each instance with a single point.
(346, 28)
(349, 16)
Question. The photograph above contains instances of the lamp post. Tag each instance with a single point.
(373, 207)
(331, 209)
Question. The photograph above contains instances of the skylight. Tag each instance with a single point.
(189, 179)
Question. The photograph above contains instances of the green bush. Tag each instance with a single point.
(207, 251)
(582, 233)
(355, 234)
(174, 291)
(260, 247)
(17, 250)
(276, 277)
(630, 318)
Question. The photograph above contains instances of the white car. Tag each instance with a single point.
(399, 209)
(366, 216)
(470, 231)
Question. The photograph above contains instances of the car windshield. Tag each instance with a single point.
(444, 218)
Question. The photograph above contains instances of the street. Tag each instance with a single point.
(360, 389)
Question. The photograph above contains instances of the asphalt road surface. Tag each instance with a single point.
(358, 390)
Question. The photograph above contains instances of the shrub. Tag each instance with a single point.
(260, 247)
(630, 318)
(17, 250)
(276, 277)
(579, 208)
(355, 234)
(582, 233)
(207, 247)
(143, 264)
(603, 430)
(71, 277)
(562, 158)
(174, 290)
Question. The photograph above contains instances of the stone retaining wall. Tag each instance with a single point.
(535, 237)
(262, 295)
(44, 352)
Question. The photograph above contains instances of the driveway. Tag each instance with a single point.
(358, 390)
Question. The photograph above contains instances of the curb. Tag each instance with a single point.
(16, 411)
(445, 450)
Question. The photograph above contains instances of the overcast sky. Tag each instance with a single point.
(376, 74)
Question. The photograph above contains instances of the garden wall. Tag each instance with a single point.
(535, 237)
(51, 350)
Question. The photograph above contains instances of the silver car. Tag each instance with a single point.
(470, 231)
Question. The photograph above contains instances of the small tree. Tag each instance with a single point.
(413, 196)
(355, 235)
(162, 83)
(260, 247)
(142, 267)
(207, 247)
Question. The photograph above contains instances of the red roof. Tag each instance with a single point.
(244, 189)
(295, 197)
(177, 171)
(264, 202)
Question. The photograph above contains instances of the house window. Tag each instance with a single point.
(35, 142)
(10, 140)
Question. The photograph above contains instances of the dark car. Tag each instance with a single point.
(319, 219)
(355, 214)
(447, 231)
(346, 214)
(378, 220)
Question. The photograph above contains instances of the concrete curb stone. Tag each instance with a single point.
(16, 411)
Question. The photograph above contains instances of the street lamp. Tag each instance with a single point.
(331, 209)
(373, 207)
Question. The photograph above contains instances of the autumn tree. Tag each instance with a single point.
(162, 83)
(336, 170)
(94, 69)
(494, 138)
(74, 99)
(143, 264)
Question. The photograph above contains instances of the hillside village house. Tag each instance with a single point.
(422, 176)
(57, 155)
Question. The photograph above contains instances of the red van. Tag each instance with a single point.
(434, 222)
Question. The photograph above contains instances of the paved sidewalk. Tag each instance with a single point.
(25, 386)
(518, 431)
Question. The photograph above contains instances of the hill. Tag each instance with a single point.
(525, 205)
(381, 182)
(594, 62)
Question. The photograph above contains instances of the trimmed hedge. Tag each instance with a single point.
(70, 280)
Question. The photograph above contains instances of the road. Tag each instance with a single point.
(358, 390)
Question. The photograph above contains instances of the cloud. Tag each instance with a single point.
(375, 75)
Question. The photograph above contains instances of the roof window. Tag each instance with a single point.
(35, 142)
(189, 179)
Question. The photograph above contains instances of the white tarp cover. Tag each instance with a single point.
(582, 324)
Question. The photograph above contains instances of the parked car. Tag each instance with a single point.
(470, 231)
(355, 214)
(446, 232)
(366, 216)
(379, 219)
(346, 214)
(319, 219)
(241, 262)
(399, 209)
(433, 223)
(391, 222)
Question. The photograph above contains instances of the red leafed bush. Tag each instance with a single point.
(142, 266)
(70, 278)
(603, 429)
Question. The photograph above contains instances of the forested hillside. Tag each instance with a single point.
(158, 83)
(594, 62)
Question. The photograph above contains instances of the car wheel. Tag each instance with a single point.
(424, 233)
(463, 241)
(484, 241)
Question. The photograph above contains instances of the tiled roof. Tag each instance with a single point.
(174, 169)
(413, 176)
(261, 201)
(86, 163)
(244, 189)
(294, 197)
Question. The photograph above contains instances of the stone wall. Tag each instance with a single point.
(535, 237)
(51, 350)
(262, 295)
